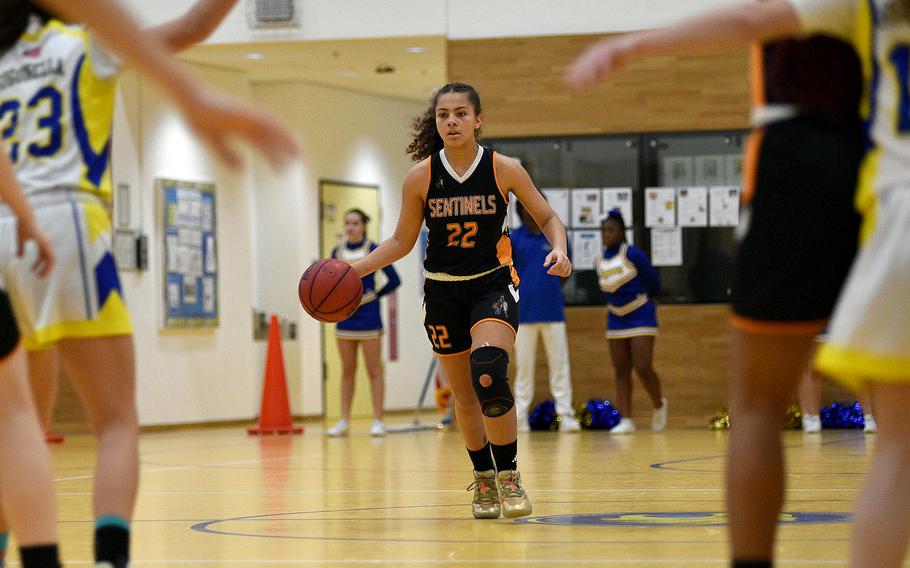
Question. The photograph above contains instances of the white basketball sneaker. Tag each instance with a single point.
(568, 423)
(338, 430)
(812, 423)
(625, 426)
(870, 426)
(659, 416)
(377, 429)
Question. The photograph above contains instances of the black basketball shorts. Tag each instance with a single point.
(452, 309)
(804, 229)
(9, 331)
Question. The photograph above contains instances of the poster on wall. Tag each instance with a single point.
(559, 201)
(586, 249)
(724, 210)
(585, 208)
(660, 207)
(677, 171)
(618, 198)
(709, 170)
(692, 203)
(189, 246)
(733, 170)
(666, 247)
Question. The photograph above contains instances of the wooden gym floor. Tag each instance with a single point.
(222, 498)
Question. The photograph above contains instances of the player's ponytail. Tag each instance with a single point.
(426, 138)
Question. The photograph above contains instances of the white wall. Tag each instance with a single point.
(347, 137)
(189, 376)
(457, 19)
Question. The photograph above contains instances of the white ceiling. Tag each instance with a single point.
(346, 64)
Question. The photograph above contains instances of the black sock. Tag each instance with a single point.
(752, 564)
(112, 544)
(45, 556)
(482, 459)
(506, 457)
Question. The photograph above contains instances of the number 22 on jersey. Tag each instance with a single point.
(460, 234)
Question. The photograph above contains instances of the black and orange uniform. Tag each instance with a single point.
(9, 330)
(468, 264)
(800, 177)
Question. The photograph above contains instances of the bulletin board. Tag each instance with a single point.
(190, 254)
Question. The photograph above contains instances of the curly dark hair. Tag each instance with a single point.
(16, 16)
(426, 137)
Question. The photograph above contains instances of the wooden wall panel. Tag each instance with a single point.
(519, 81)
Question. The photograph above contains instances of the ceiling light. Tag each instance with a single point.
(415, 49)
(254, 56)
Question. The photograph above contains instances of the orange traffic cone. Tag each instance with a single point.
(52, 438)
(275, 414)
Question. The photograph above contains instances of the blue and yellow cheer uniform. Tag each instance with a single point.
(366, 323)
(629, 282)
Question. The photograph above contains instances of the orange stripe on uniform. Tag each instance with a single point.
(505, 323)
(769, 327)
(504, 250)
(757, 74)
(750, 164)
(753, 144)
(504, 194)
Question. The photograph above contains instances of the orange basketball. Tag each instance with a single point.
(330, 290)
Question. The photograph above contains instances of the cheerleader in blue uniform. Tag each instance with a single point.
(364, 328)
(630, 283)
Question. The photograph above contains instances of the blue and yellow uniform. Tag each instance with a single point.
(869, 337)
(57, 88)
(629, 282)
(366, 323)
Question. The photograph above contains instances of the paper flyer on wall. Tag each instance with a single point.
(585, 208)
(709, 170)
(692, 204)
(677, 171)
(618, 198)
(586, 249)
(666, 246)
(660, 207)
(724, 210)
(559, 201)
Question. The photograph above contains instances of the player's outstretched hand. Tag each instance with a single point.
(558, 263)
(218, 118)
(46, 259)
(597, 62)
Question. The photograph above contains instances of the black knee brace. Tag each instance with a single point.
(9, 331)
(496, 399)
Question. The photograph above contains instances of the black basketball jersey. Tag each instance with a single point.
(466, 218)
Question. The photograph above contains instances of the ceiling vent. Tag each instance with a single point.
(273, 14)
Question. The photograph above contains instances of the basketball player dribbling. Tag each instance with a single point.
(461, 190)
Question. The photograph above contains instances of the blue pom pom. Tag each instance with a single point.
(543, 417)
(600, 415)
(843, 416)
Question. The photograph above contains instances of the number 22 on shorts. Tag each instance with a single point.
(439, 335)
